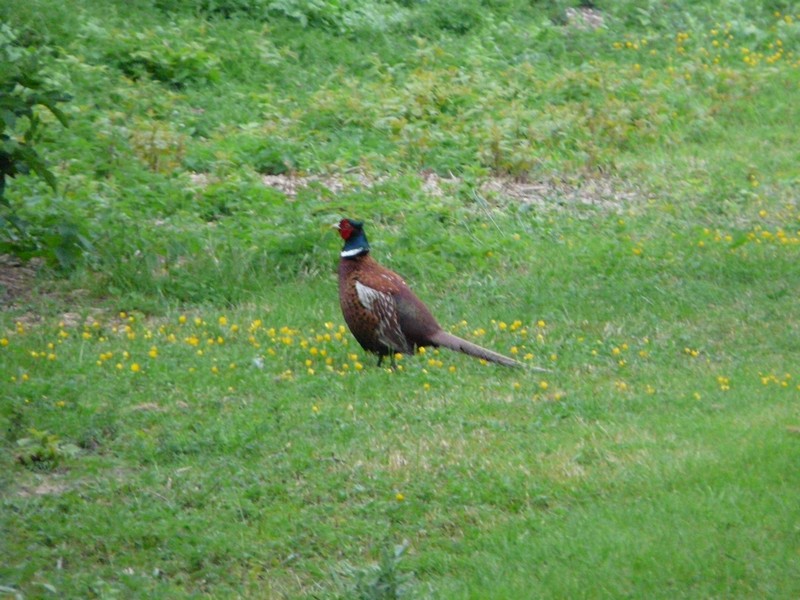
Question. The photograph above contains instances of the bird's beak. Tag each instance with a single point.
(328, 226)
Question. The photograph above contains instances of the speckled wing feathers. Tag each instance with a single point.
(383, 306)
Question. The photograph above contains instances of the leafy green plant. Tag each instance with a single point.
(381, 581)
(22, 90)
(43, 451)
(255, 9)
(458, 18)
(162, 53)
(341, 16)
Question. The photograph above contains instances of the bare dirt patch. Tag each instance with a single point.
(16, 279)
(602, 193)
(584, 18)
(605, 194)
(49, 485)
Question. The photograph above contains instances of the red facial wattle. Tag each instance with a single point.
(345, 229)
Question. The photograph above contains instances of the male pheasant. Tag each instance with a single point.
(383, 313)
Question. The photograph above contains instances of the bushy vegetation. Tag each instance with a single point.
(23, 91)
(610, 191)
(524, 95)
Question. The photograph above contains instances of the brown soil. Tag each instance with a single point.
(16, 279)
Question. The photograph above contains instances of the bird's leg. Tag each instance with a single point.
(393, 365)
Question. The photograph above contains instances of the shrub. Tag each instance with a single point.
(162, 54)
(23, 89)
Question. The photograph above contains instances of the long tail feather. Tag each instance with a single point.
(448, 340)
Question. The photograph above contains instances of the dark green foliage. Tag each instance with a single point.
(455, 17)
(357, 17)
(175, 62)
(256, 9)
(24, 90)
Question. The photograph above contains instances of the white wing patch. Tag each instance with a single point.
(368, 296)
(383, 306)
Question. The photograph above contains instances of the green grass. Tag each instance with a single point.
(183, 414)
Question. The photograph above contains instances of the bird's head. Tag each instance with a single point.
(348, 227)
(355, 240)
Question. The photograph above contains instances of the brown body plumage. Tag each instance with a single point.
(383, 313)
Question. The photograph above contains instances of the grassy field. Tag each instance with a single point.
(183, 413)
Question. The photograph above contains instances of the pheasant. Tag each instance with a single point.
(383, 313)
